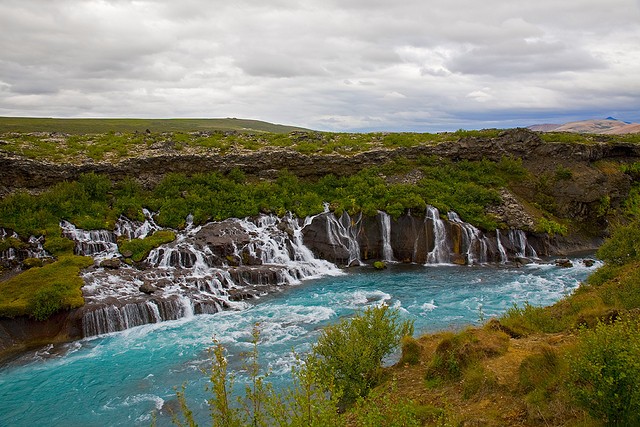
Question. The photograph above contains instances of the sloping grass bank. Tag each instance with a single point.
(42, 291)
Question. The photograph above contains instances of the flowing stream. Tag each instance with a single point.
(122, 378)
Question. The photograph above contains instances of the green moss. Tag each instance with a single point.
(46, 289)
(140, 248)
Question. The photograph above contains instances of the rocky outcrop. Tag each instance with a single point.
(23, 173)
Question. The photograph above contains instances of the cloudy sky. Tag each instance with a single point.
(416, 65)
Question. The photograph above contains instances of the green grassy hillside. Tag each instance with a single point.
(93, 126)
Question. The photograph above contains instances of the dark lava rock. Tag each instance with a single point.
(147, 288)
(112, 263)
(564, 263)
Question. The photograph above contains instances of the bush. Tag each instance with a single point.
(48, 301)
(57, 245)
(351, 351)
(623, 246)
(606, 372)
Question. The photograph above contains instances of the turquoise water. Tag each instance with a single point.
(122, 378)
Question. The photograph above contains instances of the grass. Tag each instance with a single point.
(27, 292)
(95, 126)
(140, 248)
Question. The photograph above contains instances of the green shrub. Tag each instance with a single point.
(58, 245)
(606, 372)
(140, 248)
(379, 265)
(351, 352)
(550, 226)
(47, 301)
(563, 173)
(623, 246)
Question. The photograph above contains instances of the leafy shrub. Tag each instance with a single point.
(623, 246)
(563, 173)
(550, 226)
(606, 372)
(351, 351)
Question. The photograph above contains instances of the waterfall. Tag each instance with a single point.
(385, 232)
(521, 246)
(473, 240)
(207, 268)
(343, 233)
(503, 253)
(136, 230)
(440, 252)
(100, 244)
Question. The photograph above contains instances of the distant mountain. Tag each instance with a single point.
(86, 126)
(608, 126)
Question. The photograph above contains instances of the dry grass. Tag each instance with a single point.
(489, 391)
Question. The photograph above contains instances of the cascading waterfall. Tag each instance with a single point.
(473, 240)
(98, 243)
(518, 239)
(343, 233)
(501, 250)
(136, 230)
(385, 232)
(440, 252)
(199, 272)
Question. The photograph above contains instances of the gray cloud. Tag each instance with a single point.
(335, 65)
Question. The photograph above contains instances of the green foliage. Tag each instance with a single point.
(351, 351)
(11, 242)
(140, 248)
(606, 372)
(47, 301)
(41, 291)
(386, 408)
(623, 246)
(563, 173)
(379, 265)
(58, 245)
(550, 226)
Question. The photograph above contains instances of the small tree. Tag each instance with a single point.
(351, 351)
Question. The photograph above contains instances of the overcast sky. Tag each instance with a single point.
(415, 65)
